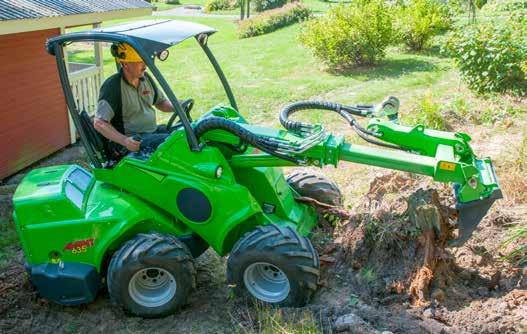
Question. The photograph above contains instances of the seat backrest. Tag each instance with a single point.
(97, 141)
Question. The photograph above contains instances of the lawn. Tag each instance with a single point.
(268, 71)
(161, 5)
(317, 6)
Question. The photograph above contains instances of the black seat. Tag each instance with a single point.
(99, 144)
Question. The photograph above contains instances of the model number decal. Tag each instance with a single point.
(80, 246)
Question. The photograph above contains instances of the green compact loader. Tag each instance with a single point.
(136, 221)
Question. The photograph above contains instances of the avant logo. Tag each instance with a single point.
(80, 246)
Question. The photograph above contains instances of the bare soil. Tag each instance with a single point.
(377, 264)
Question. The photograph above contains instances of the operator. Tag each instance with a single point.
(125, 115)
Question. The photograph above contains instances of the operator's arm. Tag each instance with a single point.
(165, 106)
(108, 131)
(101, 123)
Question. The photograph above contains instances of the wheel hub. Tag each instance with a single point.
(266, 282)
(152, 287)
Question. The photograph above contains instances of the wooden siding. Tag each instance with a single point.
(33, 113)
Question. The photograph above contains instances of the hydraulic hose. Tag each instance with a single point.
(346, 112)
(262, 143)
(295, 126)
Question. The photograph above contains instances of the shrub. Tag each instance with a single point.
(418, 20)
(273, 19)
(428, 113)
(348, 35)
(261, 5)
(173, 2)
(498, 7)
(492, 55)
(215, 5)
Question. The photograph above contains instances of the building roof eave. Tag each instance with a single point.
(44, 23)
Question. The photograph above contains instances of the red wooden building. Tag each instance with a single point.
(33, 116)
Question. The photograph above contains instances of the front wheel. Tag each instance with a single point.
(275, 265)
(151, 275)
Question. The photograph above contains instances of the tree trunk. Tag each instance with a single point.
(248, 8)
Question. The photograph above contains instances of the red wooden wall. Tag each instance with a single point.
(33, 113)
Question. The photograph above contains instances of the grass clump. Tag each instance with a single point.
(515, 184)
(273, 19)
(350, 35)
(517, 240)
(268, 320)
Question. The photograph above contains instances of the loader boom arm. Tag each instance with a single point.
(445, 156)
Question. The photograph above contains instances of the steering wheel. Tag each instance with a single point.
(187, 107)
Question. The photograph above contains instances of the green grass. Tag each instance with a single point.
(517, 237)
(162, 5)
(269, 71)
(267, 320)
(193, 2)
(318, 6)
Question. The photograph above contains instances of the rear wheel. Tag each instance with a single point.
(275, 265)
(151, 275)
(315, 186)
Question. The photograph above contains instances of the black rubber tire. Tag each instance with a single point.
(284, 248)
(316, 186)
(143, 251)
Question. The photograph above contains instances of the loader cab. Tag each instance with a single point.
(151, 40)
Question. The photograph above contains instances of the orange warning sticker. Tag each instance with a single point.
(450, 166)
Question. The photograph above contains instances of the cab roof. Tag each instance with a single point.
(153, 36)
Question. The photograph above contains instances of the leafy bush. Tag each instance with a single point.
(261, 5)
(353, 34)
(418, 20)
(172, 2)
(498, 7)
(273, 19)
(428, 113)
(215, 5)
(492, 56)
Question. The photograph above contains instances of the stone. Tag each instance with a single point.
(428, 313)
(352, 322)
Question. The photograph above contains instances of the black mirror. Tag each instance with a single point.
(163, 55)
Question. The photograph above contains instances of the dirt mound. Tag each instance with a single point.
(394, 241)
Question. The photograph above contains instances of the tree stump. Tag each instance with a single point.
(426, 212)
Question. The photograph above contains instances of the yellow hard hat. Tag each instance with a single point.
(125, 53)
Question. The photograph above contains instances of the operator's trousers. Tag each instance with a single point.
(150, 141)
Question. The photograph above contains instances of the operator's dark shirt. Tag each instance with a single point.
(138, 114)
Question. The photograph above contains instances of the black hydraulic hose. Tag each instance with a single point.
(346, 112)
(321, 105)
(262, 143)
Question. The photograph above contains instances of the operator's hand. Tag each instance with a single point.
(131, 144)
